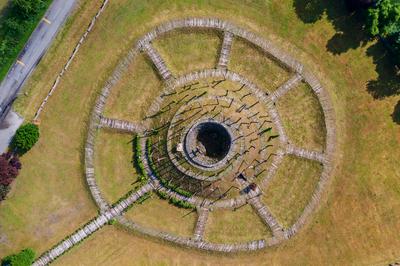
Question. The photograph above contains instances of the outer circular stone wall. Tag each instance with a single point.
(241, 141)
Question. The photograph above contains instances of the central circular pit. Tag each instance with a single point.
(213, 140)
(208, 143)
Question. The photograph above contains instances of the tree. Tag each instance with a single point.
(13, 26)
(23, 258)
(25, 137)
(354, 5)
(26, 7)
(384, 19)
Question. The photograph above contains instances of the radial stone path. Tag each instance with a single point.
(212, 139)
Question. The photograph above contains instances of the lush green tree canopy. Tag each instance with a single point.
(27, 7)
(23, 258)
(384, 19)
(25, 137)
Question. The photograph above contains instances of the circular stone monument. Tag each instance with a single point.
(213, 139)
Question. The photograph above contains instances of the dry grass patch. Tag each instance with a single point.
(185, 50)
(227, 226)
(159, 214)
(291, 188)
(303, 118)
(255, 65)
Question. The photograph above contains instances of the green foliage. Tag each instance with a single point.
(178, 203)
(143, 198)
(16, 26)
(181, 203)
(384, 21)
(111, 222)
(4, 189)
(137, 159)
(25, 137)
(27, 7)
(162, 194)
(23, 258)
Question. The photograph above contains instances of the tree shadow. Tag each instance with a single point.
(396, 113)
(351, 34)
(388, 82)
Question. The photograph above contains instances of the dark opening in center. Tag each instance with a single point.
(215, 139)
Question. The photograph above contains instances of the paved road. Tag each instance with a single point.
(33, 51)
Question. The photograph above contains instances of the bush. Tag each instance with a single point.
(25, 137)
(137, 158)
(23, 258)
(181, 203)
(4, 191)
(9, 169)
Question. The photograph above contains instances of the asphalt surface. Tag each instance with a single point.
(33, 51)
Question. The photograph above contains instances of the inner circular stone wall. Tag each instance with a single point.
(207, 144)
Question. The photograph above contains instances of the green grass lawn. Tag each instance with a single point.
(358, 221)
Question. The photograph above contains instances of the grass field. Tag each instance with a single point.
(3, 3)
(358, 222)
(291, 188)
(303, 118)
(240, 225)
(115, 173)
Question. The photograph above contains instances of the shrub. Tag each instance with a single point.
(9, 169)
(137, 158)
(25, 137)
(23, 258)
(4, 191)
(181, 203)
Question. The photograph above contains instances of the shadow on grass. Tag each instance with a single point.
(396, 113)
(351, 34)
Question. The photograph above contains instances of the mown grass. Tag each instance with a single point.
(186, 50)
(227, 226)
(131, 98)
(115, 173)
(291, 188)
(168, 217)
(302, 118)
(358, 222)
(254, 64)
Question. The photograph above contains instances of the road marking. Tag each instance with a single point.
(46, 20)
(21, 63)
